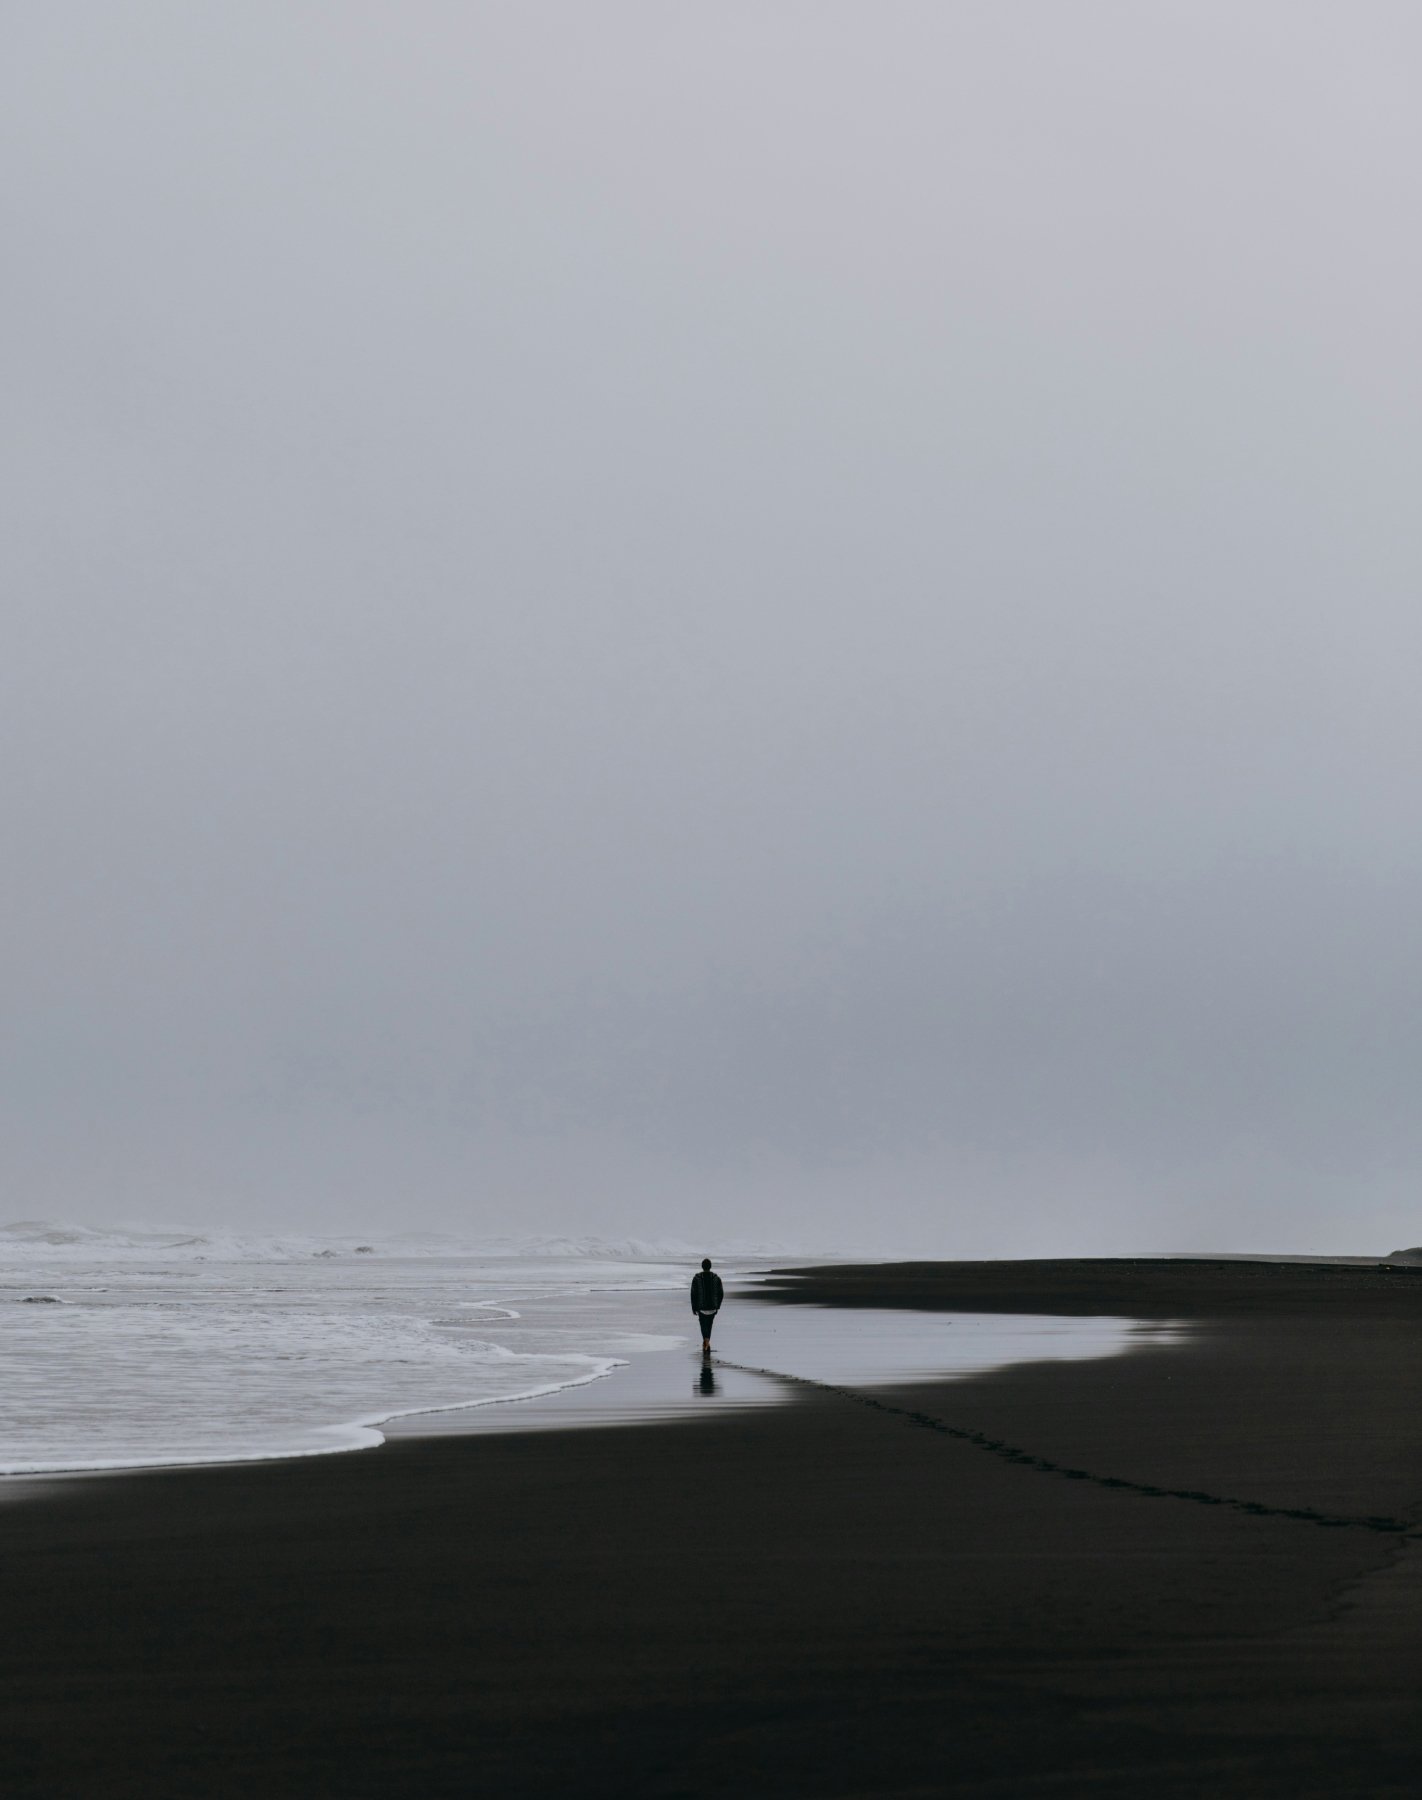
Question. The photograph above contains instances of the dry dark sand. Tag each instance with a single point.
(831, 1598)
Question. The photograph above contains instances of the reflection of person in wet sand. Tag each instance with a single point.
(706, 1297)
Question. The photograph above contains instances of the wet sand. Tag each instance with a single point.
(1194, 1569)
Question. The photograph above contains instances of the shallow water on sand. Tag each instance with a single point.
(754, 1341)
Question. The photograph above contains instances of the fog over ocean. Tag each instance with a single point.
(787, 625)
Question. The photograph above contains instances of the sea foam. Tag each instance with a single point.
(167, 1349)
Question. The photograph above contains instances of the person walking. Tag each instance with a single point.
(706, 1297)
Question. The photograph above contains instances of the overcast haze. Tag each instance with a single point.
(785, 621)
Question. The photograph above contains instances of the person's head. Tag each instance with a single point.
(706, 1262)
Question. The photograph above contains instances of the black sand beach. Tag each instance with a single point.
(1196, 1569)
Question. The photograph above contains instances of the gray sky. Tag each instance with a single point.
(795, 620)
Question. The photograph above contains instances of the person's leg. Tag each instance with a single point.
(707, 1321)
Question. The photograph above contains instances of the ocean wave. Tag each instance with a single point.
(323, 1440)
(29, 1239)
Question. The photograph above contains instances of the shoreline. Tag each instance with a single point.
(638, 1382)
(1197, 1288)
(826, 1598)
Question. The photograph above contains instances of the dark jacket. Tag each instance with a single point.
(706, 1291)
